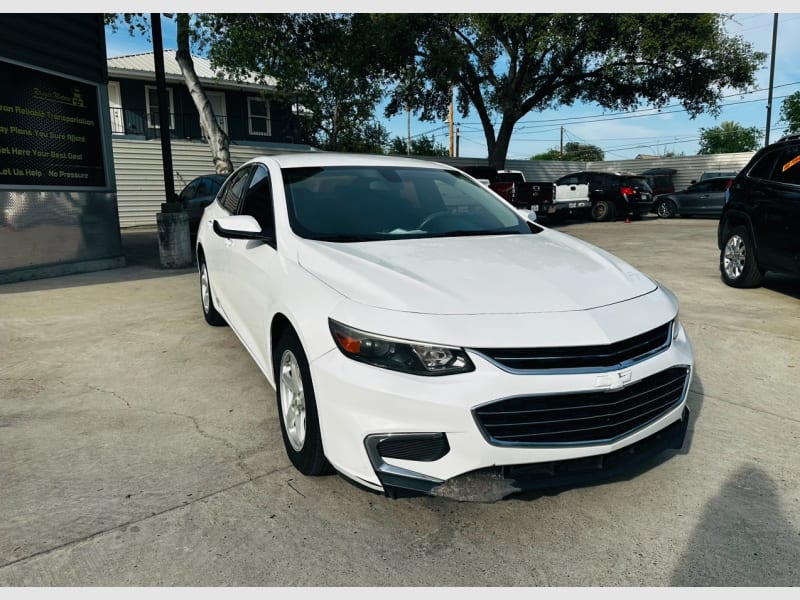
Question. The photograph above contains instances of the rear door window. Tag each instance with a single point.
(787, 167)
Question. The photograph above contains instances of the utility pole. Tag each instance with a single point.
(450, 123)
(771, 76)
(408, 139)
(561, 152)
(174, 243)
(458, 139)
(163, 107)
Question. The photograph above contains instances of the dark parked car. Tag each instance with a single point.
(608, 194)
(660, 180)
(759, 229)
(703, 198)
(198, 194)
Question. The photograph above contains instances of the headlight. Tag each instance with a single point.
(676, 327)
(417, 358)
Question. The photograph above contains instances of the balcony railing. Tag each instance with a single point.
(125, 121)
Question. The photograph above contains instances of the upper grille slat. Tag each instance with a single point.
(581, 357)
(582, 417)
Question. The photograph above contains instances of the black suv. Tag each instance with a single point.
(759, 229)
(610, 195)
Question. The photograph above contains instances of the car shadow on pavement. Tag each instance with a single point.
(743, 537)
(784, 284)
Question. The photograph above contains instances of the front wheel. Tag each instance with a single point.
(737, 260)
(297, 407)
(666, 209)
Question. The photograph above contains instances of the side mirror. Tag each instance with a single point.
(528, 215)
(240, 227)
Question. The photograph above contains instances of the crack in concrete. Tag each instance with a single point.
(182, 505)
(240, 455)
(115, 394)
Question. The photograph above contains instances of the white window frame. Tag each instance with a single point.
(150, 123)
(267, 118)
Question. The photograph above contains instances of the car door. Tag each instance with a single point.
(694, 197)
(216, 247)
(255, 268)
(778, 208)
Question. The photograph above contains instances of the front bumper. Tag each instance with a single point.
(360, 406)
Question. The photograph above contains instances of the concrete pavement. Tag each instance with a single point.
(138, 446)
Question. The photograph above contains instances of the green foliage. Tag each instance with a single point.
(504, 66)
(729, 137)
(790, 113)
(421, 146)
(315, 61)
(367, 138)
(552, 154)
(573, 151)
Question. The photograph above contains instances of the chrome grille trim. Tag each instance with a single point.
(668, 394)
(501, 357)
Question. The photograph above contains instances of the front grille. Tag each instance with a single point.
(582, 357)
(582, 417)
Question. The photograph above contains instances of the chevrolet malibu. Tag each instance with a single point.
(423, 336)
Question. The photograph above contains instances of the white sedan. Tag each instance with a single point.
(421, 335)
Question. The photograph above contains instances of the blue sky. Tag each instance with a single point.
(620, 135)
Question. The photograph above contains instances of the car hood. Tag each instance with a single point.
(544, 272)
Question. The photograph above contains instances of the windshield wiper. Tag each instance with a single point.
(468, 232)
(344, 238)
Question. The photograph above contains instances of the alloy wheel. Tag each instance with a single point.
(734, 257)
(205, 290)
(293, 400)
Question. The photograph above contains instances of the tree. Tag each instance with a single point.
(504, 66)
(729, 137)
(421, 146)
(552, 154)
(367, 138)
(316, 64)
(218, 140)
(573, 151)
(790, 112)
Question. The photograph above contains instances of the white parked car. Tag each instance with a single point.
(421, 335)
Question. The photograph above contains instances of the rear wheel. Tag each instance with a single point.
(737, 260)
(602, 210)
(297, 407)
(666, 209)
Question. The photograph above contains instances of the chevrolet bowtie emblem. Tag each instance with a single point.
(613, 381)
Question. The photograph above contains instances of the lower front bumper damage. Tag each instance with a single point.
(495, 483)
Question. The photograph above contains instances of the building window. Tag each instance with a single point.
(258, 121)
(151, 95)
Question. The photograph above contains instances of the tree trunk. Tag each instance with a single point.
(218, 140)
(498, 151)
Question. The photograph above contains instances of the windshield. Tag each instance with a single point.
(355, 203)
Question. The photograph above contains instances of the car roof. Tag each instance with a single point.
(340, 159)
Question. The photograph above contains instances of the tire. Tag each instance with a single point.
(297, 407)
(602, 210)
(666, 209)
(206, 301)
(738, 262)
